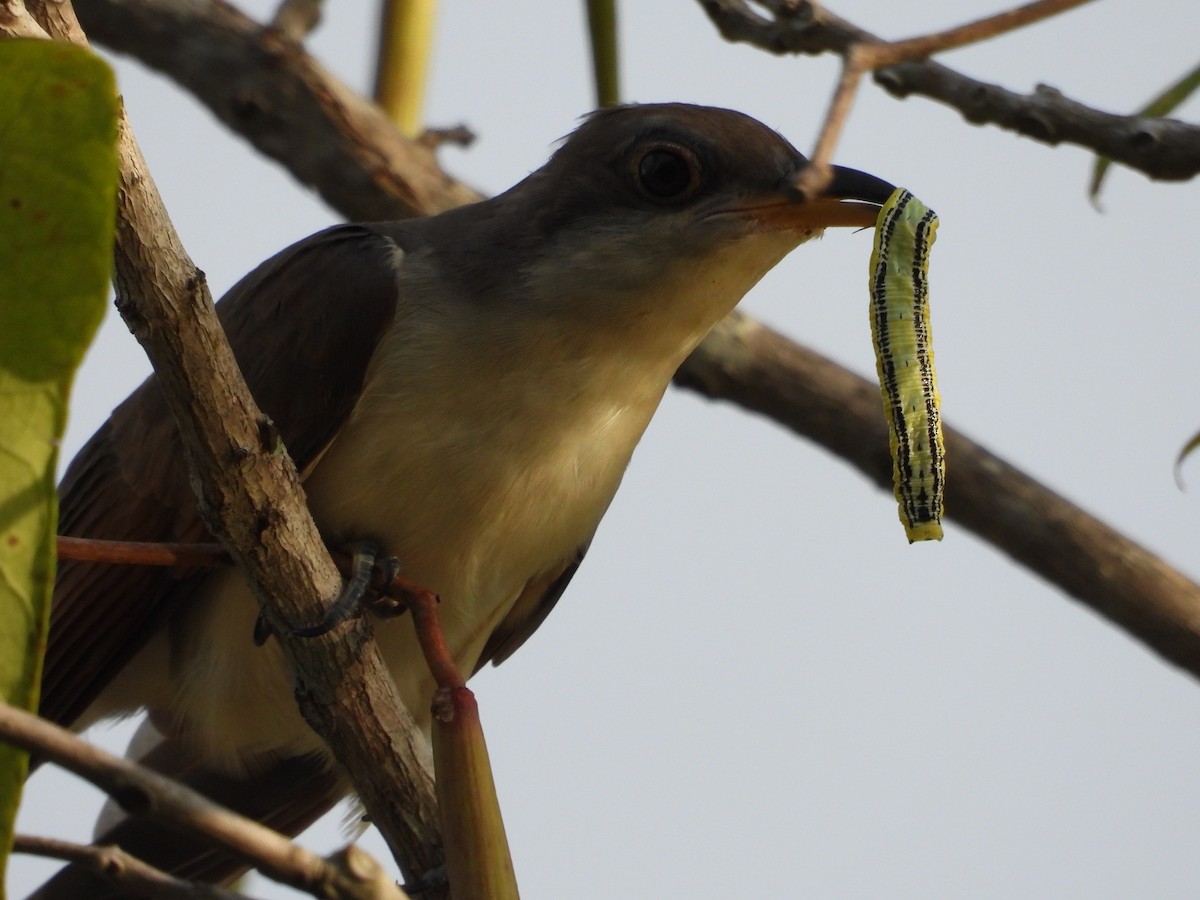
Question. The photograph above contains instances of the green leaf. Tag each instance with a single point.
(1164, 103)
(58, 178)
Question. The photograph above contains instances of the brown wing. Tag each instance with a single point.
(303, 326)
(529, 612)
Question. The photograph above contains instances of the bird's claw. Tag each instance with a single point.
(374, 583)
(361, 570)
(362, 566)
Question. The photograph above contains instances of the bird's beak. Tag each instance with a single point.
(852, 199)
(849, 185)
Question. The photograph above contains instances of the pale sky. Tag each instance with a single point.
(755, 686)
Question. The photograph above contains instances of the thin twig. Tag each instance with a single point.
(284, 102)
(423, 605)
(815, 177)
(869, 55)
(142, 553)
(877, 54)
(745, 362)
(141, 791)
(1164, 149)
(130, 874)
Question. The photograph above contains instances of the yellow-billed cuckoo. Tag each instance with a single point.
(466, 390)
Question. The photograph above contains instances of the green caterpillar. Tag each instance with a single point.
(904, 233)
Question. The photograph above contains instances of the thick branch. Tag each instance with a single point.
(251, 499)
(749, 364)
(1164, 149)
(264, 86)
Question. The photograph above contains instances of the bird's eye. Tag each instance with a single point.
(668, 173)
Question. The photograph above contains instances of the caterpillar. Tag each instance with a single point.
(904, 232)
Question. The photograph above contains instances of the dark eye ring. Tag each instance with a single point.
(667, 172)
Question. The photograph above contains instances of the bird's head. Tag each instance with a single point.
(663, 201)
(663, 182)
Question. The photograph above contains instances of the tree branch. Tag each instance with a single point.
(141, 553)
(1164, 149)
(747, 363)
(872, 55)
(263, 85)
(140, 791)
(127, 872)
(251, 499)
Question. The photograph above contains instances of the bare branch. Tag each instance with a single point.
(127, 872)
(747, 363)
(427, 622)
(1163, 149)
(868, 55)
(877, 54)
(269, 90)
(141, 791)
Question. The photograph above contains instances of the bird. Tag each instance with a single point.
(466, 391)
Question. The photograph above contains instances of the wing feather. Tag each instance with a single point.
(529, 612)
(303, 327)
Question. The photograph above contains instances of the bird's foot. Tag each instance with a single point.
(374, 583)
(391, 593)
(362, 567)
(434, 880)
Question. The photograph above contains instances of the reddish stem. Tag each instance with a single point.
(423, 605)
(141, 553)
